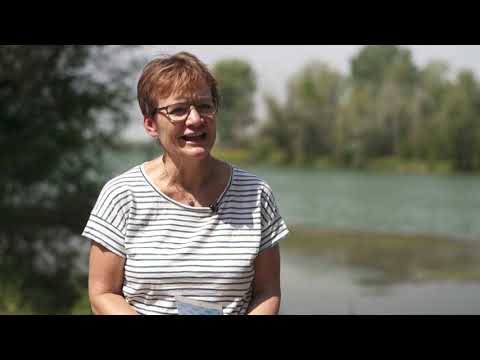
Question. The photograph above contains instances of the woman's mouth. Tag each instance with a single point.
(195, 137)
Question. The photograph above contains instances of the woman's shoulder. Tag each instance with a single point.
(248, 178)
(125, 180)
(117, 191)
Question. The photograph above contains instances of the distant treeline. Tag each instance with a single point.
(387, 108)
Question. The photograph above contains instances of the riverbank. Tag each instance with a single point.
(249, 157)
(391, 165)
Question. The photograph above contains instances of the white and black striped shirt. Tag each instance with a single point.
(175, 249)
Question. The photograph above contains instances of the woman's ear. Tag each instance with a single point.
(150, 127)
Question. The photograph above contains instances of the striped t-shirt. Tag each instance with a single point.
(174, 249)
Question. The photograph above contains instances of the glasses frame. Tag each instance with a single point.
(191, 105)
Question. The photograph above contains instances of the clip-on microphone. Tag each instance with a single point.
(214, 208)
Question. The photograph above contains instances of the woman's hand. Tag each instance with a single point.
(266, 287)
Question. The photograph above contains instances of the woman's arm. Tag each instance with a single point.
(266, 290)
(105, 279)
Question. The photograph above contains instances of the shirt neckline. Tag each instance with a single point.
(185, 206)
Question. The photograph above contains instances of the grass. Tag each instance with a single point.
(402, 166)
(234, 156)
(385, 164)
(82, 306)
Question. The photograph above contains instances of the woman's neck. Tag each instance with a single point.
(189, 175)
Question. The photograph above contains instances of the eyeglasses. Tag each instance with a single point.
(179, 112)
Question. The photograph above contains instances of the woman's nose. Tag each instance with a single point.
(194, 118)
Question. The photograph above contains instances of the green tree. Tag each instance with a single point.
(374, 64)
(388, 74)
(304, 127)
(427, 128)
(357, 127)
(314, 96)
(237, 86)
(460, 112)
(387, 107)
(277, 133)
(60, 106)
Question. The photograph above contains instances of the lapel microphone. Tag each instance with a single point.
(214, 208)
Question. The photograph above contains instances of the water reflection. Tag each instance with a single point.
(389, 259)
(359, 273)
(332, 289)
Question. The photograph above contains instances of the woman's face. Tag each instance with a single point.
(192, 138)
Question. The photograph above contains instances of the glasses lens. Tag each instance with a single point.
(178, 112)
(206, 108)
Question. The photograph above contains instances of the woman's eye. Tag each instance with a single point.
(205, 107)
(178, 110)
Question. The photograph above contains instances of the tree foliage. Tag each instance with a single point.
(386, 107)
(303, 128)
(237, 86)
(60, 106)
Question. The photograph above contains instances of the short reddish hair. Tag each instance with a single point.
(165, 75)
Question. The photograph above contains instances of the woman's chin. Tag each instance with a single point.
(196, 152)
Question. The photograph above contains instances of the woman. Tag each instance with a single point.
(184, 233)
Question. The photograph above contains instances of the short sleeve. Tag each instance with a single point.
(274, 227)
(107, 222)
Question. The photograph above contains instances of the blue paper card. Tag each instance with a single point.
(187, 306)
